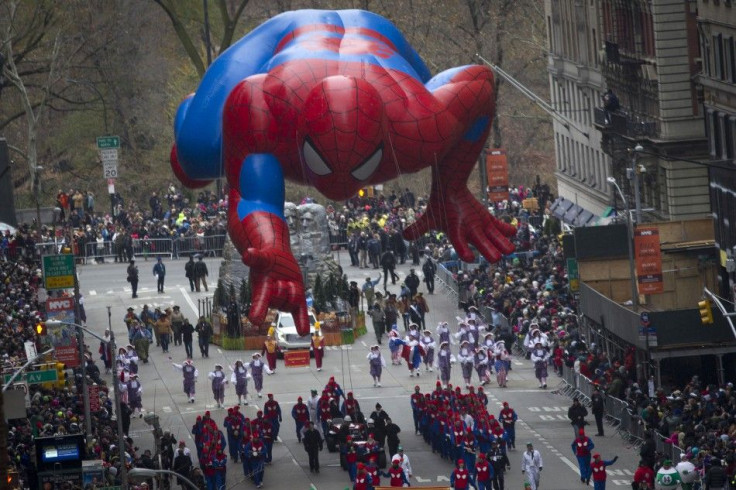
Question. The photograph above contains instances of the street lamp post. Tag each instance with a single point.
(118, 406)
(632, 273)
(630, 233)
(116, 389)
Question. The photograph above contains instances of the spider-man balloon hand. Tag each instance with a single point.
(275, 277)
(465, 221)
(338, 100)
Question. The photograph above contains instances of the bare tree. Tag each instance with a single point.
(33, 110)
(229, 24)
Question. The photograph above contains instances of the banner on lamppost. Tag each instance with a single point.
(649, 278)
(497, 170)
(63, 337)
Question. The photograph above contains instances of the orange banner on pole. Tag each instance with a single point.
(648, 255)
(497, 170)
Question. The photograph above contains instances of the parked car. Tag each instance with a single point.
(287, 337)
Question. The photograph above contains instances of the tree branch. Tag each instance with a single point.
(183, 36)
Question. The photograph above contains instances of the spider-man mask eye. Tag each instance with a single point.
(366, 169)
(314, 160)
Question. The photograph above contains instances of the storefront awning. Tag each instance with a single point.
(572, 214)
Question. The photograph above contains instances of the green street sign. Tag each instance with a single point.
(108, 142)
(58, 271)
(35, 377)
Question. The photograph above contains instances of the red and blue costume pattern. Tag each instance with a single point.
(338, 100)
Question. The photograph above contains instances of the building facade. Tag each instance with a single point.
(717, 37)
(576, 87)
(647, 54)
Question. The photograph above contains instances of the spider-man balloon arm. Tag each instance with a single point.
(467, 94)
(257, 226)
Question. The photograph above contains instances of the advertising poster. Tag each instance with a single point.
(497, 170)
(63, 337)
(648, 256)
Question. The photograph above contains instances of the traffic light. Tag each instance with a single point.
(706, 312)
(41, 328)
(60, 375)
(366, 192)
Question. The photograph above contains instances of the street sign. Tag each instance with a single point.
(644, 318)
(58, 271)
(35, 377)
(109, 154)
(108, 142)
(30, 348)
(110, 169)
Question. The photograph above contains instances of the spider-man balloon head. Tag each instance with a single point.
(343, 126)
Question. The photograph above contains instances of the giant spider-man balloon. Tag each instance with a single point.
(339, 100)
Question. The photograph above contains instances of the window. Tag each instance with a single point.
(727, 123)
(718, 58)
(732, 59)
(717, 147)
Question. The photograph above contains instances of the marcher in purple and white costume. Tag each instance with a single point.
(132, 359)
(501, 362)
(134, 389)
(481, 366)
(466, 357)
(190, 374)
(240, 379)
(443, 363)
(257, 367)
(428, 345)
(489, 344)
(376, 362)
(473, 333)
(218, 384)
(539, 357)
(443, 333)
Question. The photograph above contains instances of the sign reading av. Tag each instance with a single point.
(58, 271)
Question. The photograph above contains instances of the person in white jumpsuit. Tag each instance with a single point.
(531, 465)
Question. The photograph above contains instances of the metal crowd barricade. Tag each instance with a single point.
(444, 276)
(208, 245)
(48, 248)
(94, 251)
(152, 247)
(339, 239)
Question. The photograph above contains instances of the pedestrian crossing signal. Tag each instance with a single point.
(41, 328)
(706, 312)
(366, 192)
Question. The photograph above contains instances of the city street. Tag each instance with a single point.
(542, 414)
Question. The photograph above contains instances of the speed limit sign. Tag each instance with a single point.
(110, 169)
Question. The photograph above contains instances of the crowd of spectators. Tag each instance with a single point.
(133, 228)
(56, 409)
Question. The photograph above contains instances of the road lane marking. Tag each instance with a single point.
(189, 301)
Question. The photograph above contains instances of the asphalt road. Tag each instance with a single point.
(542, 413)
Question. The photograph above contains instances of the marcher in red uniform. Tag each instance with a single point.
(483, 473)
(598, 470)
(460, 479)
(363, 480)
(300, 413)
(351, 406)
(372, 469)
(272, 413)
(644, 475)
(395, 474)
